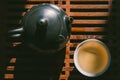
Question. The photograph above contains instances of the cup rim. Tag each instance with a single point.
(76, 59)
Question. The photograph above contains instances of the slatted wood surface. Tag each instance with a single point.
(90, 21)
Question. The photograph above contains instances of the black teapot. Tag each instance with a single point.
(45, 28)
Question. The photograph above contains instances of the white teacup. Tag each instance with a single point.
(92, 57)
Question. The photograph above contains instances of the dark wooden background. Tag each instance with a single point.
(86, 25)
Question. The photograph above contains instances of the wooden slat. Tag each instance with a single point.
(88, 0)
(81, 37)
(88, 6)
(13, 60)
(85, 6)
(67, 68)
(70, 0)
(63, 77)
(89, 21)
(65, 0)
(68, 61)
(59, 3)
(73, 44)
(71, 52)
(16, 43)
(52, 1)
(87, 14)
(11, 68)
(9, 76)
(87, 29)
